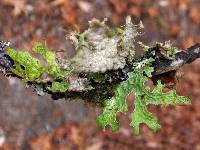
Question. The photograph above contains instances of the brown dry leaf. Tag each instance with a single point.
(181, 4)
(96, 146)
(77, 137)
(119, 5)
(59, 2)
(68, 9)
(8, 147)
(41, 143)
(116, 18)
(68, 136)
(69, 15)
(153, 12)
(135, 11)
(189, 42)
(175, 30)
(63, 138)
(184, 4)
(85, 6)
(19, 6)
(195, 15)
(43, 8)
(137, 2)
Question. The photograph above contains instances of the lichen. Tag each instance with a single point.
(101, 48)
(104, 67)
(26, 67)
(143, 97)
(31, 69)
(59, 87)
(79, 84)
(52, 68)
(167, 50)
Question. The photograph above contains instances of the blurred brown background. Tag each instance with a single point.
(30, 122)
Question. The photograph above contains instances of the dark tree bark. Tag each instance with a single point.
(181, 58)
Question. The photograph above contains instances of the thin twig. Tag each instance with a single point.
(181, 58)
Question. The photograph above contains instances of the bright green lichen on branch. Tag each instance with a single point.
(143, 97)
(26, 66)
(59, 87)
(52, 67)
(155, 97)
(31, 69)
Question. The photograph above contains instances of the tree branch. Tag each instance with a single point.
(181, 58)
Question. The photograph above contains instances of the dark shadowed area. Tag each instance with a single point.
(30, 122)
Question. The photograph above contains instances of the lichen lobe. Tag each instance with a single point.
(103, 49)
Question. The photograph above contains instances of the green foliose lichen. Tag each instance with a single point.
(52, 67)
(59, 87)
(143, 97)
(171, 52)
(30, 69)
(26, 67)
(82, 40)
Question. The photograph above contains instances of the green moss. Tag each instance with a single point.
(59, 87)
(26, 66)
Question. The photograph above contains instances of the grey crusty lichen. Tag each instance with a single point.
(100, 48)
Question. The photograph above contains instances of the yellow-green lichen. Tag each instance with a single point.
(26, 67)
(53, 67)
(30, 69)
(59, 87)
(143, 97)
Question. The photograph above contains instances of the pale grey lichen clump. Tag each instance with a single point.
(78, 84)
(100, 48)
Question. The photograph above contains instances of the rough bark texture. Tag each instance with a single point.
(181, 58)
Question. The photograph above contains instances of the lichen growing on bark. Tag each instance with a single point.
(101, 48)
(26, 67)
(59, 87)
(104, 69)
